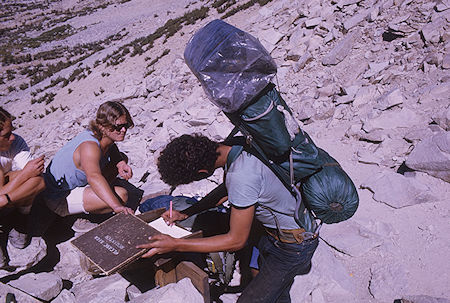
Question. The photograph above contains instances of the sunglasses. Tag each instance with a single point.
(118, 127)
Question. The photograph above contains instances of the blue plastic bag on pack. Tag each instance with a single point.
(232, 65)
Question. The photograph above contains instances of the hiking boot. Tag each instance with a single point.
(18, 239)
(82, 226)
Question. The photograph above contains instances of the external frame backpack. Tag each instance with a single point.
(236, 72)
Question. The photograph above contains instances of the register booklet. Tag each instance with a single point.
(112, 244)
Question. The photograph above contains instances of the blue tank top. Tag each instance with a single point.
(61, 175)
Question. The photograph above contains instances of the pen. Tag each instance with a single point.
(170, 211)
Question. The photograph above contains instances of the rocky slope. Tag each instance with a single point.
(368, 79)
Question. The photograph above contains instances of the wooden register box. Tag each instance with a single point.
(111, 246)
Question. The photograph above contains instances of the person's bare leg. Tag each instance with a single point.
(22, 198)
(25, 193)
(93, 204)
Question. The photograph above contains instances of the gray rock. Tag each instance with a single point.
(388, 281)
(181, 292)
(202, 116)
(396, 190)
(324, 111)
(18, 294)
(368, 157)
(133, 292)
(303, 60)
(297, 41)
(354, 131)
(442, 6)
(25, 258)
(390, 99)
(328, 279)
(327, 91)
(341, 50)
(356, 19)
(269, 38)
(375, 69)
(351, 238)
(344, 99)
(416, 135)
(432, 156)
(313, 22)
(442, 118)
(433, 31)
(107, 289)
(69, 266)
(423, 299)
(435, 92)
(219, 130)
(152, 85)
(365, 95)
(44, 286)
(65, 296)
(343, 3)
(404, 118)
(306, 110)
(446, 61)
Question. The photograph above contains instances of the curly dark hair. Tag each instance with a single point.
(184, 156)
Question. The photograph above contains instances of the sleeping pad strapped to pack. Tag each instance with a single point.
(236, 71)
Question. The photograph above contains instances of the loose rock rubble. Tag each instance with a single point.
(368, 80)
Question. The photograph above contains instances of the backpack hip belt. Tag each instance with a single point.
(289, 235)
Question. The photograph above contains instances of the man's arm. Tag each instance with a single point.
(89, 159)
(214, 198)
(240, 224)
(211, 200)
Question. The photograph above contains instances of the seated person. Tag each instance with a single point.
(20, 180)
(80, 176)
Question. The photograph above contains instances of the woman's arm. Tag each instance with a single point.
(118, 164)
(89, 159)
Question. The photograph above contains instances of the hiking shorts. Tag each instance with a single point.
(70, 205)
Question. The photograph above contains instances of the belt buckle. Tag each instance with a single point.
(308, 235)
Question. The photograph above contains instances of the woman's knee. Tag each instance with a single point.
(122, 193)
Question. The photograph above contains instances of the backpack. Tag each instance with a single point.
(236, 72)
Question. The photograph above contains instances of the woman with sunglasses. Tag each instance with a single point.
(80, 177)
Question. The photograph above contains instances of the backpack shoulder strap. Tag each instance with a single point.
(239, 144)
(252, 148)
(235, 151)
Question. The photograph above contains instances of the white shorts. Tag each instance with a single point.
(72, 204)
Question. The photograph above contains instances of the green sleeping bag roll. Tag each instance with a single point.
(330, 193)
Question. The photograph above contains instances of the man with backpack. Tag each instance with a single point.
(253, 191)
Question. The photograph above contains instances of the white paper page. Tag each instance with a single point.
(173, 231)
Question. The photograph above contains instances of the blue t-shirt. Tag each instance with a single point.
(61, 176)
(251, 182)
